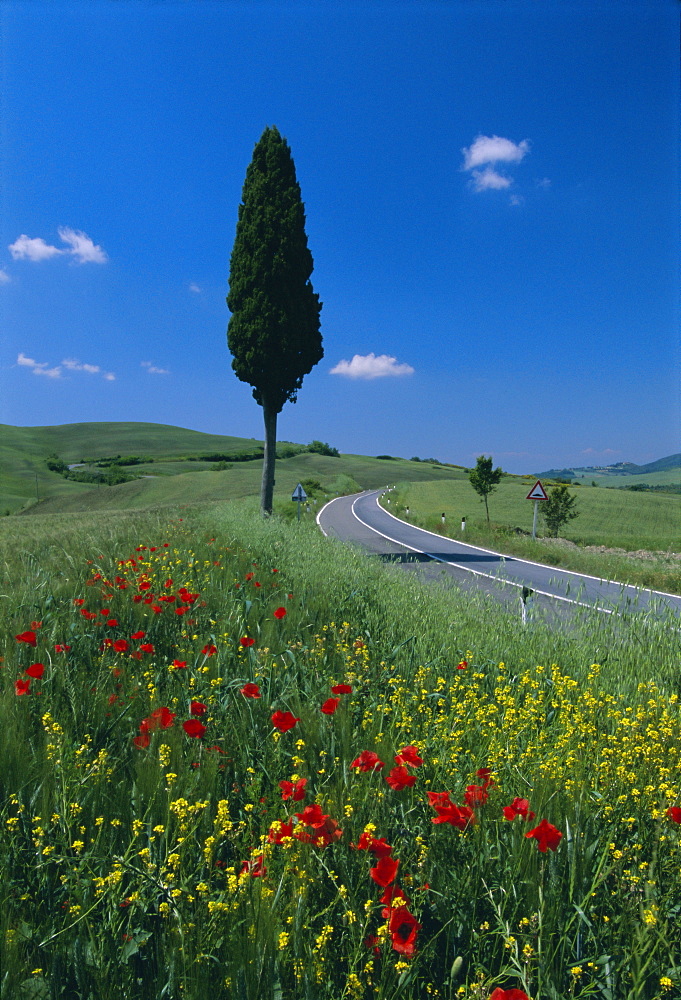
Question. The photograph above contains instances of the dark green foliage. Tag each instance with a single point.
(484, 479)
(558, 509)
(321, 448)
(55, 464)
(273, 332)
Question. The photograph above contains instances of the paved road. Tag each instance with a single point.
(361, 520)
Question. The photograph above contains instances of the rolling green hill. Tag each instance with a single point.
(170, 477)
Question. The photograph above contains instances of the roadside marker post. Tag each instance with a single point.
(537, 493)
(299, 495)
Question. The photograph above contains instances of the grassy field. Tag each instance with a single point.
(26, 484)
(608, 519)
(163, 833)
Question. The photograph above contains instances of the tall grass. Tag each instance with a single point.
(143, 857)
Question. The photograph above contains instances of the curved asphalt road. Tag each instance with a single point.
(361, 520)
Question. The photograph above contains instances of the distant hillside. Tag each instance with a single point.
(671, 462)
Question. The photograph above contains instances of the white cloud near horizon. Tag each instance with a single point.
(4, 277)
(493, 149)
(370, 366)
(70, 364)
(35, 249)
(193, 287)
(153, 370)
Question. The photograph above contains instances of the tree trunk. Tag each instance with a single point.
(486, 508)
(267, 487)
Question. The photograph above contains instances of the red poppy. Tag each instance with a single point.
(275, 835)
(198, 708)
(475, 795)
(138, 635)
(389, 894)
(674, 814)
(143, 740)
(448, 812)
(368, 761)
(22, 686)
(161, 718)
(61, 648)
(35, 670)
(378, 846)
(399, 778)
(404, 928)
(79, 601)
(462, 665)
(28, 637)
(485, 774)
(36, 624)
(209, 649)
(341, 689)
(330, 706)
(373, 942)
(283, 721)
(147, 647)
(181, 609)
(513, 994)
(409, 755)
(112, 622)
(121, 645)
(250, 690)
(519, 807)
(179, 664)
(385, 871)
(249, 576)
(546, 835)
(255, 868)
(194, 728)
(295, 791)
(246, 640)
(280, 613)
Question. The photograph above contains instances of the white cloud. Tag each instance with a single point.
(82, 247)
(489, 180)
(25, 248)
(29, 362)
(493, 149)
(4, 277)
(75, 366)
(517, 199)
(153, 370)
(193, 287)
(368, 366)
(70, 364)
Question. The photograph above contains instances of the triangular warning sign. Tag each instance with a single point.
(537, 492)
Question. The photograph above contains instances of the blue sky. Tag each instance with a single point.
(491, 191)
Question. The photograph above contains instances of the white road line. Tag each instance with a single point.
(475, 572)
(530, 562)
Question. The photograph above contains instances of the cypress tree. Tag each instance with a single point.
(274, 330)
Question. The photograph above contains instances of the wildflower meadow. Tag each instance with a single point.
(238, 760)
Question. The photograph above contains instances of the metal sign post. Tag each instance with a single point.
(299, 495)
(537, 493)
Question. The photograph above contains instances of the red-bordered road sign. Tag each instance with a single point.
(537, 492)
